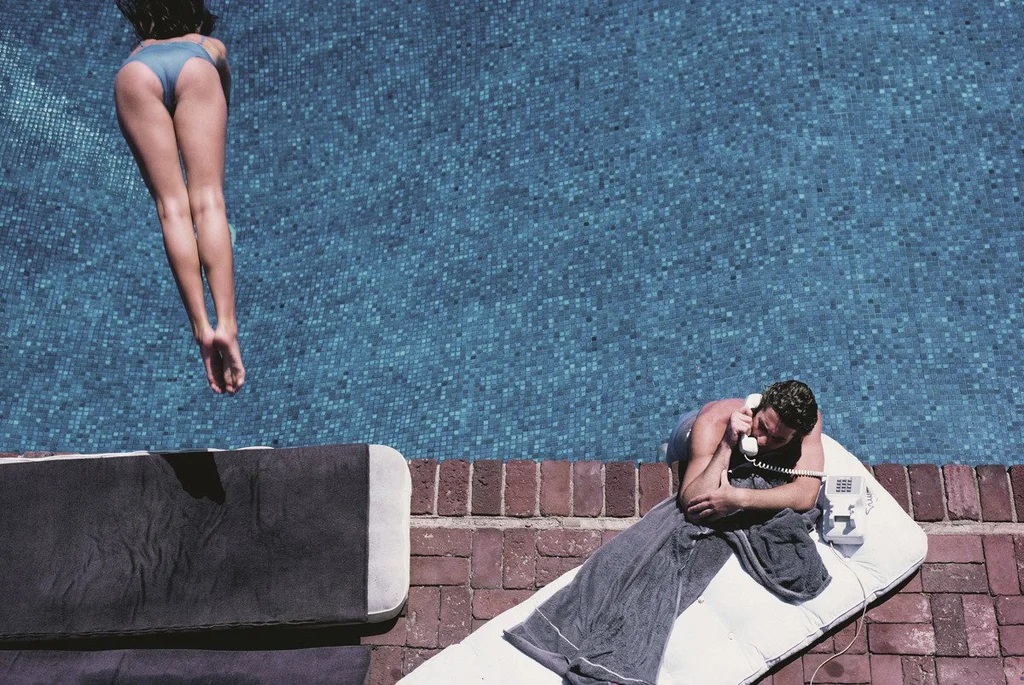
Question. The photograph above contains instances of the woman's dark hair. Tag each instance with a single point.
(794, 403)
(159, 19)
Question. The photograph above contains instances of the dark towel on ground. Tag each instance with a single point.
(612, 622)
(347, 665)
(181, 542)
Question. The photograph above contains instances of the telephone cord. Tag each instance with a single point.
(859, 621)
(781, 469)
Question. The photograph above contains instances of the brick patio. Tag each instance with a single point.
(487, 534)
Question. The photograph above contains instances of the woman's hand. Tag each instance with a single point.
(720, 502)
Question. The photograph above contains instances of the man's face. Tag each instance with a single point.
(770, 431)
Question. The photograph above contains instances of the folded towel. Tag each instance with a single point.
(612, 622)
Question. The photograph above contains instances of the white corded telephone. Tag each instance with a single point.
(845, 496)
(845, 510)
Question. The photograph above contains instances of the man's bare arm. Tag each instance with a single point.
(705, 493)
(802, 493)
(795, 495)
(710, 450)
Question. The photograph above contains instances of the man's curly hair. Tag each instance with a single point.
(794, 402)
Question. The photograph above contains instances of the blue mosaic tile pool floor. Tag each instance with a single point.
(534, 229)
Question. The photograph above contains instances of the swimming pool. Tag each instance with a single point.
(534, 230)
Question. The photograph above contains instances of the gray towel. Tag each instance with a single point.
(612, 622)
(780, 556)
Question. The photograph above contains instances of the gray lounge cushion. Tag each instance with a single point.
(317, 666)
(184, 542)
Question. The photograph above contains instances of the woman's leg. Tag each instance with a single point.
(200, 122)
(149, 131)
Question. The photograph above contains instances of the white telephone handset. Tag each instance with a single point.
(748, 446)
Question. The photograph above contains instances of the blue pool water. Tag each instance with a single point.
(533, 229)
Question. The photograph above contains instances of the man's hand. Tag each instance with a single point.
(722, 501)
(739, 424)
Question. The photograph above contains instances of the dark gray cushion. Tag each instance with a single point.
(183, 542)
(335, 665)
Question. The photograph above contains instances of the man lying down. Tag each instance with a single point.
(611, 623)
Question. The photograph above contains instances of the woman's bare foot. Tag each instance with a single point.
(225, 345)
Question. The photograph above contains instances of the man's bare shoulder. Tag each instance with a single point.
(721, 410)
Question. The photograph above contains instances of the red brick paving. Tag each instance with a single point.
(980, 623)
(555, 488)
(655, 484)
(994, 488)
(423, 472)
(847, 668)
(1001, 564)
(487, 488)
(902, 638)
(950, 629)
(456, 615)
(959, 620)
(893, 478)
(962, 501)
(620, 489)
(521, 488)
(562, 542)
(1017, 488)
(423, 611)
(926, 492)
(968, 671)
(1010, 610)
(486, 561)
(439, 542)
(587, 488)
(918, 670)
(453, 488)
(902, 608)
(1013, 670)
(961, 549)
(519, 559)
